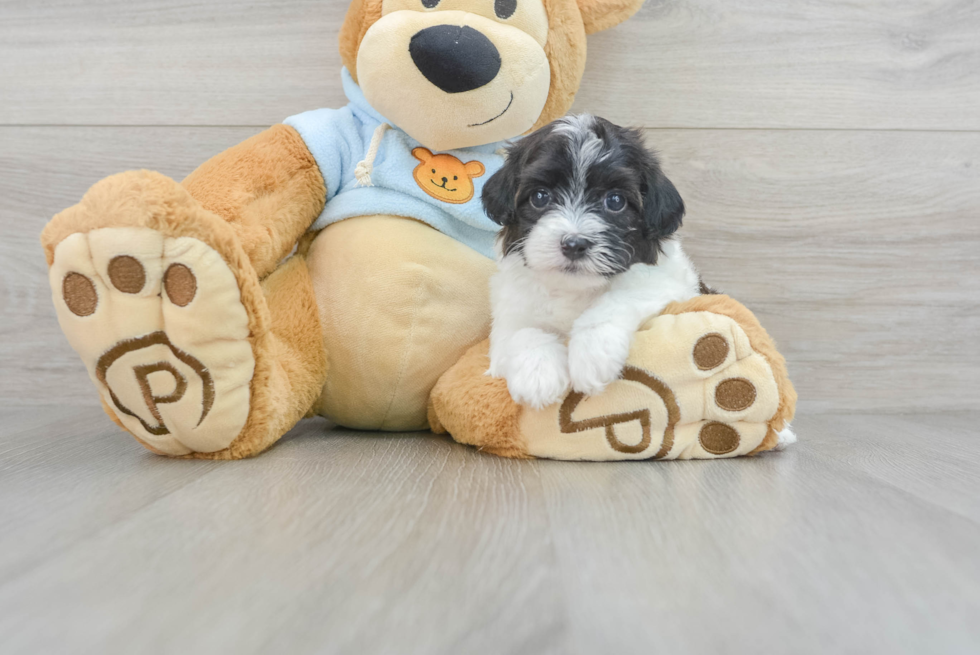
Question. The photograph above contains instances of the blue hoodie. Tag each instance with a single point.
(385, 177)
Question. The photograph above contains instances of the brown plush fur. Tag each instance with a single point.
(477, 410)
(566, 50)
(568, 24)
(269, 187)
(762, 343)
(599, 15)
(289, 363)
(361, 15)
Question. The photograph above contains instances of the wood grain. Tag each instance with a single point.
(783, 552)
(857, 250)
(344, 542)
(62, 485)
(338, 525)
(876, 64)
(935, 458)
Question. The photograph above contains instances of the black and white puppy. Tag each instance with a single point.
(587, 253)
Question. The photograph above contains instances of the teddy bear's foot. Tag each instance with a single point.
(160, 325)
(693, 388)
(703, 382)
(157, 315)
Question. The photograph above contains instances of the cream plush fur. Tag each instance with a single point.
(211, 322)
(426, 298)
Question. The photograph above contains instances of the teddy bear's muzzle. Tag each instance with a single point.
(455, 58)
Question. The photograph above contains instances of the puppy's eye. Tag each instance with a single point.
(505, 8)
(540, 198)
(615, 202)
(430, 4)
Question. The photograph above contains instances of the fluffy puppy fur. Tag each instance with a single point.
(587, 253)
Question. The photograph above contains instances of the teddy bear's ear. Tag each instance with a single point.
(599, 15)
(475, 169)
(361, 15)
(422, 154)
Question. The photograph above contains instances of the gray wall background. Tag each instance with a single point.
(829, 154)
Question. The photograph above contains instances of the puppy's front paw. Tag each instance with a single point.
(538, 375)
(596, 357)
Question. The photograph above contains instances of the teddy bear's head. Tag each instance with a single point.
(460, 73)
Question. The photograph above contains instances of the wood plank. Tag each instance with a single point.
(935, 457)
(67, 473)
(786, 552)
(340, 543)
(878, 64)
(346, 542)
(857, 250)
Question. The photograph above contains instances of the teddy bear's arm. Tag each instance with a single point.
(268, 187)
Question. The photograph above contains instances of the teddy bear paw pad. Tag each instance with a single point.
(161, 327)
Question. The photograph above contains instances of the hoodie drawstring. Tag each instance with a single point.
(366, 167)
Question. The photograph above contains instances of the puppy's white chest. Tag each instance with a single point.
(557, 311)
(547, 302)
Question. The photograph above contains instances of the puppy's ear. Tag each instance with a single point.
(500, 193)
(663, 207)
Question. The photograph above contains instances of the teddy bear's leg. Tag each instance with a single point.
(400, 303)
(191, 353)
(703, 380)
(268, 188)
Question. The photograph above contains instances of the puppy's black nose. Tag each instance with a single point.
(454, 58)
(575, 247)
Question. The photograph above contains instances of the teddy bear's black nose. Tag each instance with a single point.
(454, 58)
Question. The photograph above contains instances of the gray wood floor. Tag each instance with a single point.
(863, 539)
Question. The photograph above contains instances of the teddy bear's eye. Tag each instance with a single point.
(433, 171)
(505, 8)
(455, 177)
(430, 4)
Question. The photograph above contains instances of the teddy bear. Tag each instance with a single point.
(337, 264)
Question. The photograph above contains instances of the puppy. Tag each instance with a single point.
(586, 254)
